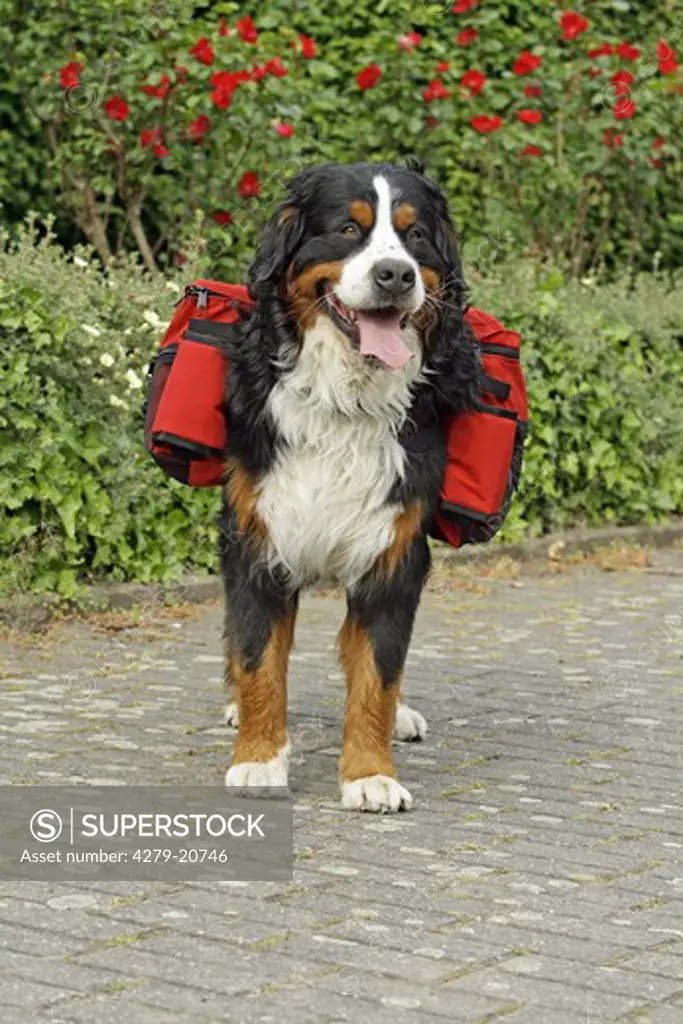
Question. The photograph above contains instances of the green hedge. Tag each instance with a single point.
(80, 500)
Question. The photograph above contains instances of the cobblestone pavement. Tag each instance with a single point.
(539, 879)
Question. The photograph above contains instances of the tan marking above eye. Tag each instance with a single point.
(287, 214)
(404, 216)
(363, 213)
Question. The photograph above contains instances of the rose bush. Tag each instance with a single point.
(554, 127)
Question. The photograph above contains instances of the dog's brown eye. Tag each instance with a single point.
(351, 229)
(415, 235)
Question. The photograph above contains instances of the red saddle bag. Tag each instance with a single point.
(186, 429)
(185, 426)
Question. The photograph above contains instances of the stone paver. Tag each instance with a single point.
(539, 879)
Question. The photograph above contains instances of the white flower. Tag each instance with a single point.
(117, 402)
(92, 331)
(134, 382)
(151, 318)
(80, 262)
(173, 286)
(106, 359)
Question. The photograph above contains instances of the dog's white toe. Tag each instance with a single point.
(231, 717)
(410, 724)
(266, 775)
(377, 793)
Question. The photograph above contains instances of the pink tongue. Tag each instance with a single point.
(382, 337)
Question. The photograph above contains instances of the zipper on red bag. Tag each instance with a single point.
(202, 296)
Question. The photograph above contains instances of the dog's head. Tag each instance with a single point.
(372, 249)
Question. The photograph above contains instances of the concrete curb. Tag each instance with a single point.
(36, 613)
(564, 544)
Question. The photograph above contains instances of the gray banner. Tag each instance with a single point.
(144, 833)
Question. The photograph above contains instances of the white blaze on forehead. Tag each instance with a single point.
(356, 287)
(384, 240)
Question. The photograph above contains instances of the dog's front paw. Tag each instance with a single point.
(231, 717)
(377, 793)
(264, 775)
(410, 725)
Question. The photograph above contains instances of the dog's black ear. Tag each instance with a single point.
(276, 250)
(281, 238)
(453, 350)
(453, 288)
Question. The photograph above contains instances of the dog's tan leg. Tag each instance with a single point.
(373, 643)
(370, 709)
(260, 755)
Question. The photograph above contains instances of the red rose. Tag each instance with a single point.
(149, 137)
(527, 63)
(628, 52)
(611, 140)
(69, 74)
(436, 90)
(432, 122)
(531, 151)
(117, 109)
(222, 217)
(463, 6)
(160, 150)
(410, 41)
(275, 67)
(469, 35)
(249, 186)
(198, 129)
(658, 143)
(624, 109)
(473, 81)
(530, 116)
(533, 90)
(443, 66)
(573, 25)
(309, 47)
(485, 125)
(285, 131)
(594, 72)
(247, 29)
(224, 29)
(666, 58)
(159, 90)
(225, 83)
(606, 50)
(181, 73)
(622, 82)
(369, 76)
(222, 98)
(203, 51)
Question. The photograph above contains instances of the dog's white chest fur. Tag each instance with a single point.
(324, 502)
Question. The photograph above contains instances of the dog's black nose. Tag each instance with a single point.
(396, 277)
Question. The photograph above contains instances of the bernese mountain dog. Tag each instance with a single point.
(339, 379)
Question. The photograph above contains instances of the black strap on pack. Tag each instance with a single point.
(497, 387)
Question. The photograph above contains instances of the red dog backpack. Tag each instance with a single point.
(186, 430)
